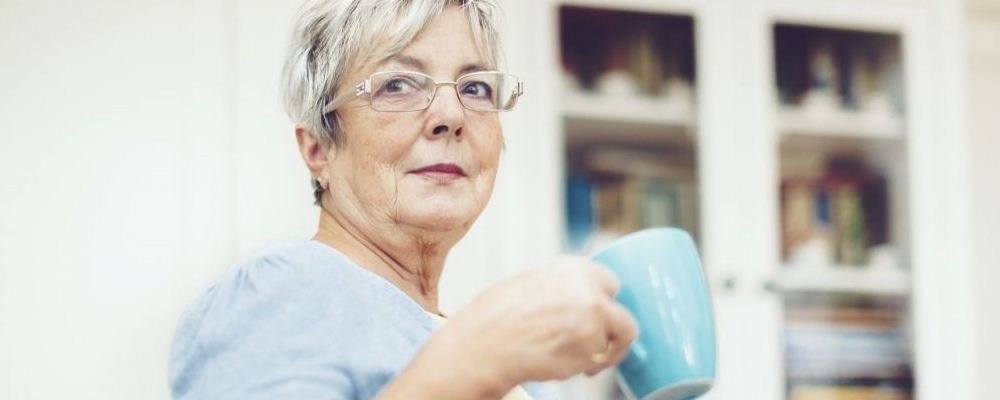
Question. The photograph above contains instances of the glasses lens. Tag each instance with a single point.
(401, 91)
(488, 91)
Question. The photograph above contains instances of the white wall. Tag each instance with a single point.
(983, 64)
(274, 196)
(115, 191)
(115, 162)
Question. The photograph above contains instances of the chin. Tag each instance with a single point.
(441, 217)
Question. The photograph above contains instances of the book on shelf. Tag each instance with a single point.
(871, 319)
(603, 203)
(633, 203)
(815, 352)
(823, 392)
(658, 203)
(608, 206)
(850, 344)
(845, 209)
(579, 210)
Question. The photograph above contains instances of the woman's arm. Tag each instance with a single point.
(548, 323)
(440, 374)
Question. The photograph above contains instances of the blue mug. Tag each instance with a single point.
(663, 285)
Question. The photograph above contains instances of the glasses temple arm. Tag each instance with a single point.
(338, 101)
(518, 91)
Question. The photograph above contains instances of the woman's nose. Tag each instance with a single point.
(446, 113)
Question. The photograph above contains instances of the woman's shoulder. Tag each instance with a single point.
(293, 278)
(286, 272)
(294, 259)
(280, 281)
(314, 272)
(290, 287)
(291, 304)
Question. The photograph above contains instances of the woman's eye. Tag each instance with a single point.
(399, 85)
(477, 89)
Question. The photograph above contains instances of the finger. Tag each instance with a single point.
(622, 330)
(605, 280)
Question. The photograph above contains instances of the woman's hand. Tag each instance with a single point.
(547, 323)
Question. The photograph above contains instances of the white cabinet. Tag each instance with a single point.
(729, 118)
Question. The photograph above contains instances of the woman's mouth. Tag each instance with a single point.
(440, 172)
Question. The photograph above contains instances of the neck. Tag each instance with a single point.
(408, 260)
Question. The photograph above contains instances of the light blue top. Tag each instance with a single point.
(298, 321)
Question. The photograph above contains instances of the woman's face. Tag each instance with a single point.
(431, 169)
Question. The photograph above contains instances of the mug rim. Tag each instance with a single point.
(631, 237)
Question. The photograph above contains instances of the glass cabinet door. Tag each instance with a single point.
(628, 115)
(844, 279)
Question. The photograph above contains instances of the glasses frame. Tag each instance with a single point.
(365, 88)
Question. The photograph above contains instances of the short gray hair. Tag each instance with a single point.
(332, 36)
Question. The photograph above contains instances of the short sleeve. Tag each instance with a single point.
(258, 334)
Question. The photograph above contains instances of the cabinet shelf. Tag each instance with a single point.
(839, 124)
(628, 109)
(639, 121)
(887, 281)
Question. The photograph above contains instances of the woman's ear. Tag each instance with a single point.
(313, 151)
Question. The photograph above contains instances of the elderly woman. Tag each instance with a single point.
(395, 104)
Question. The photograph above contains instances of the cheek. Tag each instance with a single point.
(487, 149)
(488, 145)
(368, 162)
(379, 141)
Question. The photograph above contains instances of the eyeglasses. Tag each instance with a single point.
(413, 91)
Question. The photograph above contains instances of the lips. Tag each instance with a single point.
(442, 168)
(440, 171)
